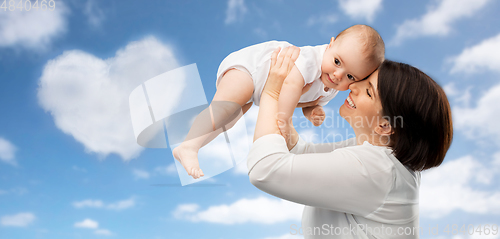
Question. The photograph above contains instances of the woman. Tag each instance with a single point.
(367, 186)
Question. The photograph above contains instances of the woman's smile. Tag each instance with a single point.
(350, 103)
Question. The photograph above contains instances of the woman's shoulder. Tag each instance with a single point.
(403, 194)
(383, 158)
(376, 157)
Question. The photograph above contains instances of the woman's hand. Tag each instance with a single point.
(280, 68)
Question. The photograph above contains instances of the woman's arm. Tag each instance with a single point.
(268, 110)
(351, 180)
(303, 147)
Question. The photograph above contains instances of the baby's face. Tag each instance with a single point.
(344, 63)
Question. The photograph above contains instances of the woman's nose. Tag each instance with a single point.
(354, 87)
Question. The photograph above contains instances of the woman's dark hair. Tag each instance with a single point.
(419, 113)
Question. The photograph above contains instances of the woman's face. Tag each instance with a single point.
(362, 108)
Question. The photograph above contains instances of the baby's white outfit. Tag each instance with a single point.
(256, 61)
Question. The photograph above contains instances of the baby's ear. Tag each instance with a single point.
(331, 42)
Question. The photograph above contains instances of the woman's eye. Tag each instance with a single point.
(350, 77)
(368, 92)
(337, 62)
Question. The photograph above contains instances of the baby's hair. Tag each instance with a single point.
(373, 45)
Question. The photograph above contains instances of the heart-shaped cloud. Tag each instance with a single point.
(88, 96)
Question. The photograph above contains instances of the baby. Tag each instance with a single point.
(353, 55)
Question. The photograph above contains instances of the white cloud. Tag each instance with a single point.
(461, 97)
(260, 32)
(32, 29)
(251, 118)
(438, 19)
(87, 223)
(236, 10)
(169, 170)
(120, 205)
(450, 89)
(88, 96)
(259, 210)
(94, 14)
(287, 236)
(480, 122)
(104, 232)
(140, 174)
(88, 203)
(18, 191)
(17, 220)
(183, 209)
(159, 170)
(475, 235)
(322, 20)
(361, 9)
(483, 56)
(7, 151)
(123, 204)
(490, 235)
(450, 187)
(91, 224)
(241, 168)
(496, 160)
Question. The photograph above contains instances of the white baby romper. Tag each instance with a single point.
(256, 61)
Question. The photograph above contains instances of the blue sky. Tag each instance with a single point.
(69, 164)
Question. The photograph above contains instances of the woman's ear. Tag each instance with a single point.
(384, 128)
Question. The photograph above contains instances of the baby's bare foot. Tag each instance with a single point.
(188, 157)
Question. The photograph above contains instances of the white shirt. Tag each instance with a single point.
(352, 191)
(256, 61)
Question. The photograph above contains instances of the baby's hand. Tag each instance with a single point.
(317, 115)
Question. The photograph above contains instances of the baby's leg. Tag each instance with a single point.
(234, 90)
(228, 124)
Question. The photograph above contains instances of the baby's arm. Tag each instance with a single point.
(289, 97)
